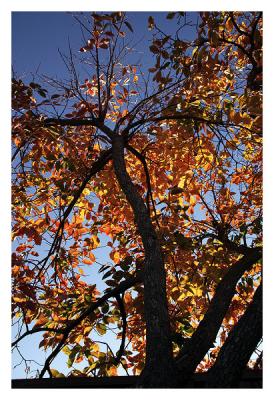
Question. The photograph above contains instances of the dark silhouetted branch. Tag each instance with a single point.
(204, 336)
(239, 346)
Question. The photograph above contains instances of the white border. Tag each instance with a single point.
(6, 6)
(141, 5)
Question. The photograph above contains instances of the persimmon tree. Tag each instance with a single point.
(165, 164)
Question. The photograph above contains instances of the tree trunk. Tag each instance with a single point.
(239, 346)
(159, 368)
(204, 336)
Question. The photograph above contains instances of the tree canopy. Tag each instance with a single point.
(161, 167)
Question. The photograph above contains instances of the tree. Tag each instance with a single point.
(166, 164)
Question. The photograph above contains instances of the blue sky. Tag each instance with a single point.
(36, 37)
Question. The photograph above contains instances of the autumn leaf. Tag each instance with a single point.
(56, 374)
(90, 260)
(115, 256)
(192, 200)
(112, 371)
(41, 321)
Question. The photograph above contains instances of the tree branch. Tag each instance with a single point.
(124, 320)
(204, 336)
(239, 346)
(121, 288)
(97, 166)
(159, 357)
(149, 189)
(35, 330)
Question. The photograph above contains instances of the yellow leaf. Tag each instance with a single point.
(96, 147)
(79, 338)
(194, 51)
(39, 221)
(82, 213)
(95, 347)
(135, 79)
(182, 182)
(86, 191)
(115, 256)
(192, 200)
(66, 350)
(102, 192)
(96, 241)
(87, 330)
(19, 299)
(195, 291)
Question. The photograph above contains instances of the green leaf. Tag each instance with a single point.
(56, 374)
(87, 298)
(66, 350)
(101, 328)
(70, 362)
(72, 355)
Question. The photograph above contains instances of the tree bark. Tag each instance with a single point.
(204, 336)
(159, 368)
(239, 346)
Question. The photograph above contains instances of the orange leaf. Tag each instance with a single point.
(115, 256)
(22, 247)
(41, 321)
(15, 269)
(87, 261)
(92, 257)
(106, 229)
(127, 297)
(112, 371)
